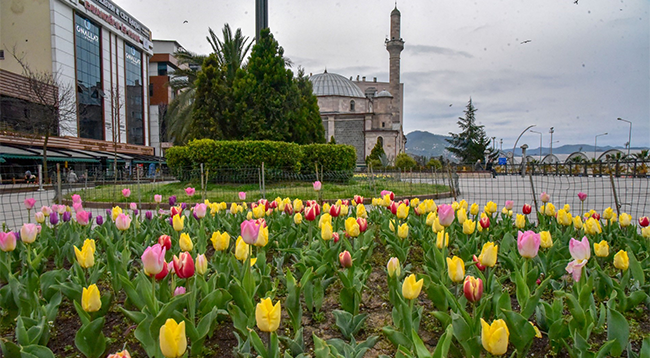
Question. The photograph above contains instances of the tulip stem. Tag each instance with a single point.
(153, 293)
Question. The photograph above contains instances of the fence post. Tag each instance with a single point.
(532, 186)
(451, 184)
(59, 193)
(40, 177)
(263, 183)
(618, 206)
(202, 184)
(137, 180)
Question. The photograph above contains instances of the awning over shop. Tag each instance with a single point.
(72, 155)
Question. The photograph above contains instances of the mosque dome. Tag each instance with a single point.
(383, 93)
(331, 84)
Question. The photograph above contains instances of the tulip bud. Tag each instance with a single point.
(403, 231)
(527, 209)
(123, 222)
(242, 195)
(363, 224)
(485, 222)
(249, 231)
(478, 263)
(494, 337)
(201, 264)
(393, 267)
(126, 192)
(621, 260)
(644, 221)
(184, 265)
(7, 241)
(601, 249)
(99, 220)
(180, 290)
(153, 259)
(54, 218)
(122, 354)
(157, 198)
(185, 242)
(345, 259)
(582, 196)
(335, 236)
(297, 219)
(473, 288)
(528, 244)
(546, 240)
(411, 288)
(488, 256)
(90, 299)
(456, 269)
(173, 342)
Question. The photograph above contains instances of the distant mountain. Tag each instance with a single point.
(427, 144)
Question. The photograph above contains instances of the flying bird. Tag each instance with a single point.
(527, 41)
(185, 22)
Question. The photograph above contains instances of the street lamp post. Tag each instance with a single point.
(514, 147)
(629, 138)
(596, 142)
(552, 131)
(540, 144)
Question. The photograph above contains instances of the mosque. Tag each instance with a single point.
(361, 112)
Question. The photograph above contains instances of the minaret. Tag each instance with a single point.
(394, 45)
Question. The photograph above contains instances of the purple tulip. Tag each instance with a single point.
(171, 221)
(17, 235)
(54, 218)
(183, 206)
(109, 213)
(172, 200)
(135, 212)
(99, 219)
(148, 215)
(195, 216)
(90, 216)
(66, 216)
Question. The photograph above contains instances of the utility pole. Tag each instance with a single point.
(261, 17)
(552, 131)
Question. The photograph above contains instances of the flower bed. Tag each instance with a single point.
(287, 278)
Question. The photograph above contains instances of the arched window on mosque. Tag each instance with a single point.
(352, 106)
(380, 140)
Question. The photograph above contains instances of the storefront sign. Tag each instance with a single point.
(113, 21)
(135, 24)
(85, 30)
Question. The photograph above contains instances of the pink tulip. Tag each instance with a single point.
(509, 204)
(39, 217)
(126, 192)
(133, 206)
(200, 210)
(345, 259)
(29, 203)
(545, 197)
(528, 244)
(190, 191)
(389, 193)
(123, 222)
(77, 207)
(580, 250)
(83, 217)
(180, 290)
(242, 195)
(157, 198)
(575, 269)
(28, 233)
(59, 209)
(582, 196)
(46, 210)
(249, 231)
(445, 214)
(76, 198)
(7, 241)
(153, 259)
(317, 185)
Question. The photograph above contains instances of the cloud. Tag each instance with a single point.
(426, 49)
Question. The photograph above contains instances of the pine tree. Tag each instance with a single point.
(471, 143)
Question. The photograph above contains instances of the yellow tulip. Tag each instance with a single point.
(469, 226)
(386, 200)
(325, 218)
(546, 240)
(393, 267)
(437, 227)
(592, 227)
(185, 242)
(625, 219)
(352, 227)
(361, 211)
(201, 264)
(403, 231)
(564, 218)
(259, 211)
(220, 241)
(455, 206)
(549, 209)
(234, 208)
(297, 205)
(608, 213)
(490, 208)
(415, 202)
(431, 217)
(241, 249)
(326, 207)
(411, 288)
(456, 269)
(262, 236)
(402, 211)
(178, 221)
(442, 239)
(249, 215)
(621, 260)
(345, 209)
(601, 249)
(461, 215)
(214, 209)
(326, 231)
(86, 256)
(223, 205)
(473, 209)
(488, 256)
(173, 341)
(267, 315)
(645, 232)
(577, 222)
(115, 212)
(494, 337)
(520, 221)
(297, 219)
(90, 299)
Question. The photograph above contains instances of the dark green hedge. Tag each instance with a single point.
(251, 154)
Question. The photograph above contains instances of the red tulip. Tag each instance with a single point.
(288, 209)
(165, 241)
(478, 263)
(363, 224)
(485, 222)
(358, 199)
(596, 216)
(265, 203)
(312, 212)
(393, 207)
(261, 222)
(184, 265)
(345, 202)
(527, 209)
(335, 210)
(175, 210)
(345, 259)
(473, 288)
(407, 202)
(336, 237)
(644, 221)
(163, 273)
(389, 193)
(273, 204)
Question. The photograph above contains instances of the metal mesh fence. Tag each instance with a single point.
(606, 184)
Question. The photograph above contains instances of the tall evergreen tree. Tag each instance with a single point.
(471, 143)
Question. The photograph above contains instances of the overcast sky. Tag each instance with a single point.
(576, 67)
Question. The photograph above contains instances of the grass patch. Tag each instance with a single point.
(229, 192)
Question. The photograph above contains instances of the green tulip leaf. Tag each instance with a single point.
(90, 340)
(617, 330)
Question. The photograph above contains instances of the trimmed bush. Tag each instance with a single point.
(332, 157)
